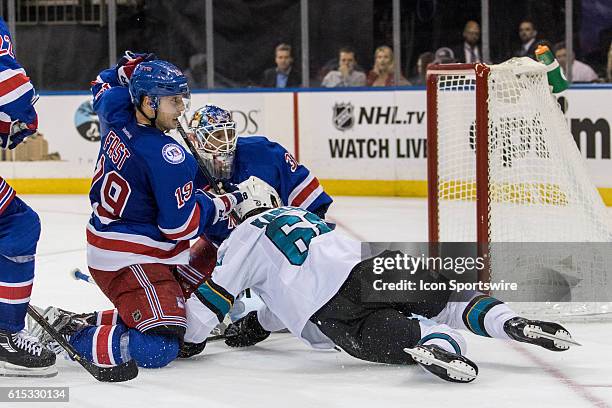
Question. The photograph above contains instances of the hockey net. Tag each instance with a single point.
(503, 167)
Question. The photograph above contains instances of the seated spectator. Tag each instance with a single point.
(469, 50)
(529, 41)
(346, 74)
(423, 61)
(382, 74)
(581, 72)
(444, 55)
(284, 75)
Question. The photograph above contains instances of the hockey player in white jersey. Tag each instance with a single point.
(310, 279)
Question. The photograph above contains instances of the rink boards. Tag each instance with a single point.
(348, 139)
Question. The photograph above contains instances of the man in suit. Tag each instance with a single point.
(469, 51)
(528, 35)
(284, 75)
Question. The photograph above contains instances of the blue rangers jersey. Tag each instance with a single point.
(6, 195)
(145, 205)
(295, 184)
(16, 96)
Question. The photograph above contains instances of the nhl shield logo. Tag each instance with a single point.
(136, 315)
(343, 116)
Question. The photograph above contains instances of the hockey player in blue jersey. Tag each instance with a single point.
(20, 354)
(231, 160)
(146, 208)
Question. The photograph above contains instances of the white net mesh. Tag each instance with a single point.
(538, 187)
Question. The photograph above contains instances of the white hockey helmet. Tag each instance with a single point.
(260, 197)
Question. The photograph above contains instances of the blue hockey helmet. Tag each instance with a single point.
(156, 79)
(215, 134)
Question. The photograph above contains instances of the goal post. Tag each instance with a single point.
(471, 78)
(502, 168)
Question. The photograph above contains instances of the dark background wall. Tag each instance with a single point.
(246, 32)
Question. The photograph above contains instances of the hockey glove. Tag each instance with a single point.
(13, 133)
(127, 64)
(224, 203)
(245, 332)
(228, 187)
(321, 211)
(191, 349)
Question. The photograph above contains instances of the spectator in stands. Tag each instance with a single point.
(469, 50)
(444, 55)
(382, 74)
(424, 60)
(528, 35)
(284, 75)
(346, 74)
(581, 72)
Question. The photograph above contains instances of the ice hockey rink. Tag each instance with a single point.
(282, 371)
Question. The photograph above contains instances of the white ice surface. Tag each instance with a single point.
(283, 372)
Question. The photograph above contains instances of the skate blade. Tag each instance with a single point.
(456, 369)
(11, 370)
(562, 339)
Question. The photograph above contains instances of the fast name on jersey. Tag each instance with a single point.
(116, 150)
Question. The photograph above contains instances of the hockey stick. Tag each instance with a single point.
(118, 373)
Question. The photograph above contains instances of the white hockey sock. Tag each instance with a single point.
(443, 336)
(476, 312)
(495, 318)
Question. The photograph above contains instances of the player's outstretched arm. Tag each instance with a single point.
(183, 211)
(116, 79)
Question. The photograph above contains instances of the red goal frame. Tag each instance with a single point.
(481, 72)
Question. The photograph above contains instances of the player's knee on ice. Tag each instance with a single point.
(23, 227)
(152, 350)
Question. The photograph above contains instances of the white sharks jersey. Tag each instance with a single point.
(289, 257)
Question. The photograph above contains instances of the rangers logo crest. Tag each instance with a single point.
(343, 116)
(173, 153)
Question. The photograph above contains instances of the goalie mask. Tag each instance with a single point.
(260, 197)
(215, 139)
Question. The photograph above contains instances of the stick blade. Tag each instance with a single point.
(119, 373)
